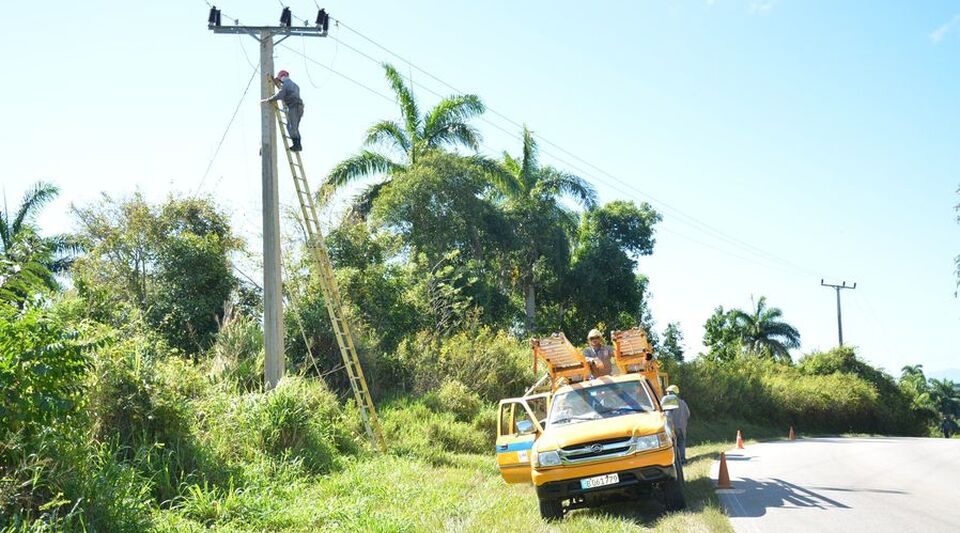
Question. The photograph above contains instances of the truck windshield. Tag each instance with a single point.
(604, 401)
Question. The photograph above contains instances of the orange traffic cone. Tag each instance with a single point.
(739, 440)
(723, 478)
(792, 436)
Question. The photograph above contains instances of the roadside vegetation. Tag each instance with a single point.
(131, 355)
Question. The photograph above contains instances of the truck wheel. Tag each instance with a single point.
(551, 509)
(673, 498)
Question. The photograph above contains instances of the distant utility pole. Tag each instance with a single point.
(272, 288)
(838, 287)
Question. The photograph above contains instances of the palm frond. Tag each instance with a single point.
(529, 161)
(35, 198)
(364, 164)
(558, 182)
(363, 202)
(388, 131)
(408, 103)
(451, 111)
(453, 135)
(787, 334)
(497, 175)
(511, 165)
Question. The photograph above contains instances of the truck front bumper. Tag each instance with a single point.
(632, 479)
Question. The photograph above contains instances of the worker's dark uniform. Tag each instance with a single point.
(290, 95)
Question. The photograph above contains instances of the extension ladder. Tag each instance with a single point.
(331, 290)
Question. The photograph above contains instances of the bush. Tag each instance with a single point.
(300, 420)
(454, 397)
(831, 392)
(42, 364)
(490, 363)
(237, 355)
(413, 429)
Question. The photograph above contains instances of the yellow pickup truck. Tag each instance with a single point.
(592, 439)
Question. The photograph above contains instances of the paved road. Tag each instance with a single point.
(853, 485)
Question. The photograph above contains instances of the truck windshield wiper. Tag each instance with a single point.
(566, 419)
(627, 409)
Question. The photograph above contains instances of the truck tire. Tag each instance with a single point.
(673, 498)
(551, 509)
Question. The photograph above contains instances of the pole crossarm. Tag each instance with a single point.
(299, 31)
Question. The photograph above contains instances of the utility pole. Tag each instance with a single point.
(838, 287)
(272, 282)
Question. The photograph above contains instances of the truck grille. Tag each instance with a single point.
(600, 450)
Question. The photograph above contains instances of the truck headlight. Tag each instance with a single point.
(548, 458)
(652, 442)
(649, 442)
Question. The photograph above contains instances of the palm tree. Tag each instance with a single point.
(946, 396)
(764, 333)
(444, 126)
(531, 194)
(914, 382)
(35, 259)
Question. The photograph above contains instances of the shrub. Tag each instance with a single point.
(42, 364)
(486, 423)
(413, 429)
(300, 420)
(832, 392)
(454, 397)
(237, 355)
(490, 363)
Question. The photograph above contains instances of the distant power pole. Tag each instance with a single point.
(272, 283)
(838, 287)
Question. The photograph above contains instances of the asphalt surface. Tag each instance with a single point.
(844, 484)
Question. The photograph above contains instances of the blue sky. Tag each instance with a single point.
(783, 141)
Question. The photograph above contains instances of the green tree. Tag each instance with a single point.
(444, 126)
(914, 383)
(672, 346)
(602, 284)
(531, 196)
(764, 334)
(168, 263)
(722, 335)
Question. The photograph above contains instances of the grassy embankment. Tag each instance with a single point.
(422, 491)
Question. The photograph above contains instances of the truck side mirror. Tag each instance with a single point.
(670, 402)
(525, 427)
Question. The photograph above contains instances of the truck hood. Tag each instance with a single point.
(625, 426)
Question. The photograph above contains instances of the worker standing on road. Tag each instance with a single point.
(947, 427)
(679, 418)
(598, 354)
(290, 94)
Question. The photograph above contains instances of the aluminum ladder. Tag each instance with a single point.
(331, 289)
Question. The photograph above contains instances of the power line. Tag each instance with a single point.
(787, 268)
(227, 130)
(679, 214)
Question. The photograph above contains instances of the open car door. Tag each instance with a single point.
(519, 422)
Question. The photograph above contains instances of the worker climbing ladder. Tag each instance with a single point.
(331, 290)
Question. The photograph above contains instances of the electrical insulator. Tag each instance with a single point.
(323, 20)
(214, 18)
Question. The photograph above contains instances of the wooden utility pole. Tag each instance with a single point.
(272, 282)
(839, 320)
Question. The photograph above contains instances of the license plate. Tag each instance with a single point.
(599, 481)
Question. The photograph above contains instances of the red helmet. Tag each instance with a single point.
(283, 74)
